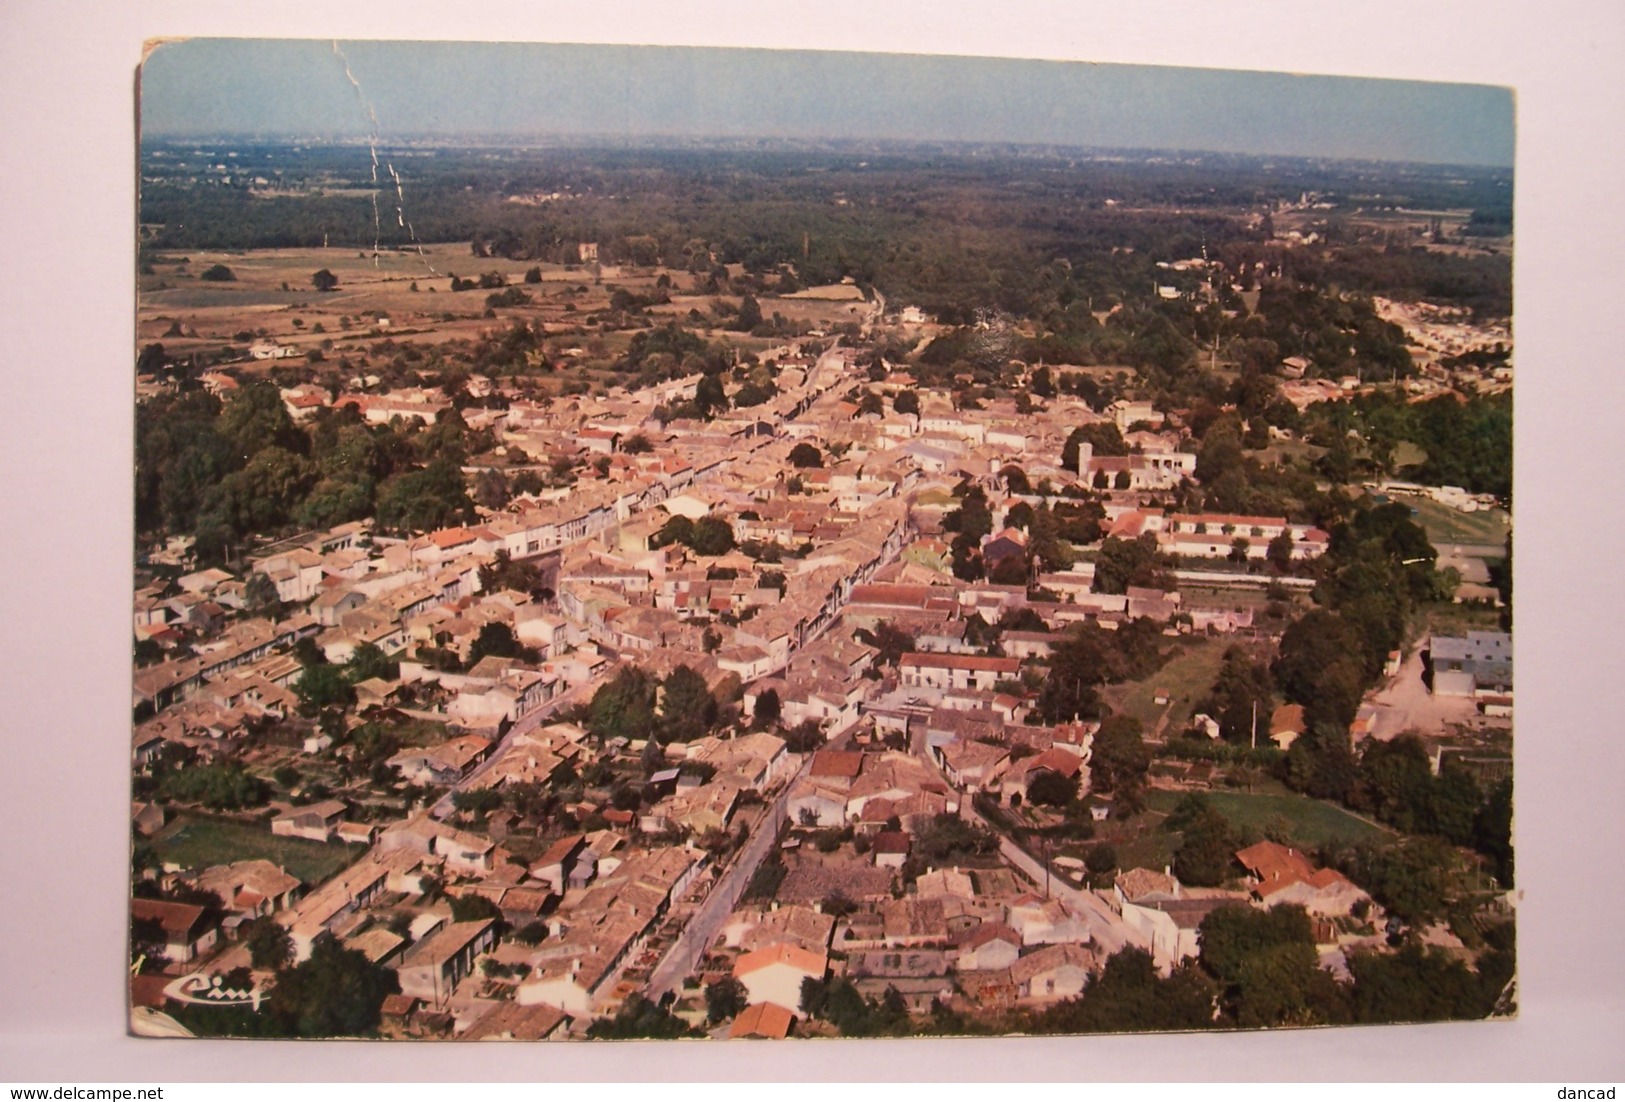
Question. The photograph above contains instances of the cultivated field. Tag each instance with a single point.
(831, 292)
(407, 296)
(1447, 525)
(199, 843)
(1310, 823)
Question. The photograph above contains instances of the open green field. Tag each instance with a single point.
(199, 843)
(832, 292)
(1187, 677)
(1407, 454)
(1311, 822)
(1447, 525)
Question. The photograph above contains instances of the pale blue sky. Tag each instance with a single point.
(299, 88)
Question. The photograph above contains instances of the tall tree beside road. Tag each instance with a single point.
(1240, 698)
(1321, 666)
(1415, 878)
(1207, 846)
(1122, 563)
(623, 707)
(1071, 691)
(1120, 757)
(1052, 789)
(1492, 831)
(1425, 984)
(687, 708)
(270, 946)
(1266, 966)
(1322, 764)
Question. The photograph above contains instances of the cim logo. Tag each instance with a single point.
(204, 990)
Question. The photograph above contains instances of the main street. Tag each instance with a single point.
(831, 367)
(702, 929)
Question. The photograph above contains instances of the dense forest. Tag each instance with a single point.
(1163, 266)
(953, 230)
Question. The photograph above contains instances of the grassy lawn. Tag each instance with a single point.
(419, 733)
(1311, 822)
(198, 843)
(1447, 525)
(1187, 677)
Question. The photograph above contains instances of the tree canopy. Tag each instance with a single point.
(806, 455)
(624, 706)
(337, 992)
(687, 708)
(1207, 847)
(1129, 996)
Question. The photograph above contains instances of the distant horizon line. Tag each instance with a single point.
(610, 140)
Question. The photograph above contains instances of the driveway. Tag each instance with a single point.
(1404, 704)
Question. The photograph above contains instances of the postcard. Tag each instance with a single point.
(656, 542)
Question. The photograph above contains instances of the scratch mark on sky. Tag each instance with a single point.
(373, 136)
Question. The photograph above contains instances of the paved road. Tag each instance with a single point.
(706, 923)
(1110, 932)
(703, 928)
(708, 918)
(1471, 550)
(830, 360)
(525, 725)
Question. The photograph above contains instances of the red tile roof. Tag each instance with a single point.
(763, 1020)
(836, 763)
(814, 964)
(176, 918)
(989, 932)
(961, 662)
(1288, 717)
